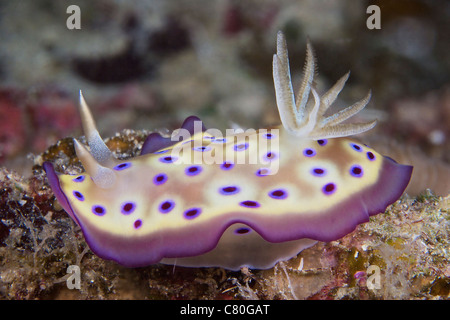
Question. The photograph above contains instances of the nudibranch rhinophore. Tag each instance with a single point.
(250, 198)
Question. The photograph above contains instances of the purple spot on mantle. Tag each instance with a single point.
(202, 148)
(240, 147)
(356, 171)
(168, 159)
(78, 179)
(193, 170)
(78, 195)
(127, 207)
(268, 136)
(227, 165)
(309, 152)
(278, 194)
(220, 140)
(250, 204)
(160, 178)
(262, 172)
(138, 224)
(329, 188)
(166, 206)
(356, 147)
(270, 156)
(370, 156)
(192, 213)
(322, 142)
(229, 190)
(122, 166)
(98, 210)
(318, 172)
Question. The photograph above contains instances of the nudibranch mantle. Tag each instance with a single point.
(247, 199)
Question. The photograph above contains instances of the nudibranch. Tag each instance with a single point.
(250, 198)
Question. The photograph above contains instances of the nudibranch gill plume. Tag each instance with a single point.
(251, 198)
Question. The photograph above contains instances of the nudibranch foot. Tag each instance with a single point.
(247, 199)
(233, 255)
